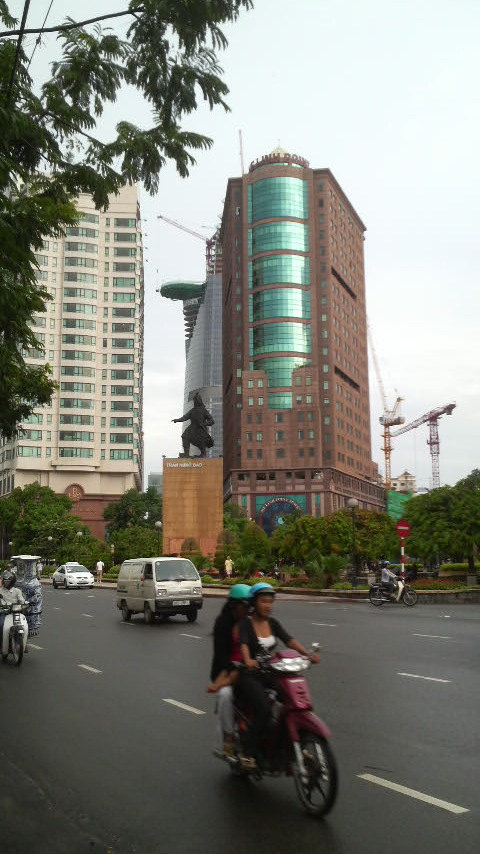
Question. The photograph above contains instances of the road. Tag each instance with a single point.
(97, 758)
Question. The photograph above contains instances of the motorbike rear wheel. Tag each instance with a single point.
(17, 650)
(318, 792)
(410, 597)
(376, 596)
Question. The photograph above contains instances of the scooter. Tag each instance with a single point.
(15, 631)
(296, 742)
(379, 594)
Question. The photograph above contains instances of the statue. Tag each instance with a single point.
(196, 433)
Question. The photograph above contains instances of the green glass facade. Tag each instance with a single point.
(279, 302)
(279, 370)
(277, 197)
(278, 235)
(272, 337)
(276, 269)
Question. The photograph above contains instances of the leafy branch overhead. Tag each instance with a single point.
(51, 146)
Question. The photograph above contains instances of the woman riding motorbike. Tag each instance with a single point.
(227, 657)
(258, 636)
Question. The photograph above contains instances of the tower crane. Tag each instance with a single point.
(390, 418)
(213, 249)
(431, 418)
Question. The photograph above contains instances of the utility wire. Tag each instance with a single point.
(39, 37)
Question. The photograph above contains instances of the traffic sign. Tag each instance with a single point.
(403, 528)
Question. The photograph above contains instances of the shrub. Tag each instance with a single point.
(437, 584)
(207, 579)
(342, 585)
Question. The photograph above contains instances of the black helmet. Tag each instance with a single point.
(8, 579)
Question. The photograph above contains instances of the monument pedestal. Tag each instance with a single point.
(192, 503)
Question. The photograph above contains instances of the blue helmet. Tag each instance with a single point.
(239, 593)
(260, 587)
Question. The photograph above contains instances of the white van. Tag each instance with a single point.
(159, 587)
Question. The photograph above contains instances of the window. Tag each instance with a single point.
(260, 401)
(278, 417)
(279, 435)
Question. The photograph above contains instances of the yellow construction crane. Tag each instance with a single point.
(391, 416)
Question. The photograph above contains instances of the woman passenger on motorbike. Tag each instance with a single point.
(258, 636)
(227, 658)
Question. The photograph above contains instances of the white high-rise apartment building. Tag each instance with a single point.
(88, 443)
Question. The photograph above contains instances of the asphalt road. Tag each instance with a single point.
(96, 758)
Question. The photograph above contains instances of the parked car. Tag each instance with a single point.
(72, 574)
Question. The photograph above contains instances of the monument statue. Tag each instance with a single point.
(196, 433)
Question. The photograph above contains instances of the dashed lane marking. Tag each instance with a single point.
(34, 646)
(88, 615)
(191, 709)
(90, 669)
(330, 625)
(427, 678)
(412, 793)
(184, 635)
(440, 637)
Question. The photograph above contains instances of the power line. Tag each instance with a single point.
(39, 37)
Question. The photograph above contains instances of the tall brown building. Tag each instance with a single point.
(295, 370)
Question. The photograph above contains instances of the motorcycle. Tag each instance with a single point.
(379, 594)
(296, 742)
(15, 631)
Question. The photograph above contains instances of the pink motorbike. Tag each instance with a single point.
(296, 742)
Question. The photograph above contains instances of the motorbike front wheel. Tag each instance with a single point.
(376, 596)
(318, 789)
(410, 597)
(17, 650)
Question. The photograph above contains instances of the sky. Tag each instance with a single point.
(384, 93)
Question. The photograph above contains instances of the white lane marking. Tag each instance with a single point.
(184, 635)
(90, 596)
(412, 793)
(90, 669)
(34, 646)
(427, 678)
(183, 706)
(88, 615)
(440, 637)
(330, 625)
(56, 608)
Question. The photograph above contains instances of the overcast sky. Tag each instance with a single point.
(384, 93)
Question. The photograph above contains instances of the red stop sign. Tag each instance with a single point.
(403, 528)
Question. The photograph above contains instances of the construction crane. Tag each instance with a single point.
(431, 418)
(390, 418)
(213, 249)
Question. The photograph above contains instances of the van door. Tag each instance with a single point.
(148, 586)
(135, 602)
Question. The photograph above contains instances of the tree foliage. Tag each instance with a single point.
(51, 148)
(134, 510)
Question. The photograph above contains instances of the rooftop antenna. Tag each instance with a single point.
(240, 138)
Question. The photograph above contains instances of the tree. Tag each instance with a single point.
(134, 509)
(50, 148)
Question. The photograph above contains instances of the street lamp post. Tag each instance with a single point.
(352, 503)
(158, 526)
(112, 552)
(49, 547)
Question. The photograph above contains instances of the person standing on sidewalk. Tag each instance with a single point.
(228, 567)
(100, 566)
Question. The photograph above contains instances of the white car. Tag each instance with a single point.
(72, 574)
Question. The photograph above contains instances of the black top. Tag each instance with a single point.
(222, 641)
(248, 635)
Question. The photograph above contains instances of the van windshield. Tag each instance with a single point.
(175, 570)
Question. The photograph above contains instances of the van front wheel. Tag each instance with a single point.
(192, 615)
(148, 613)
